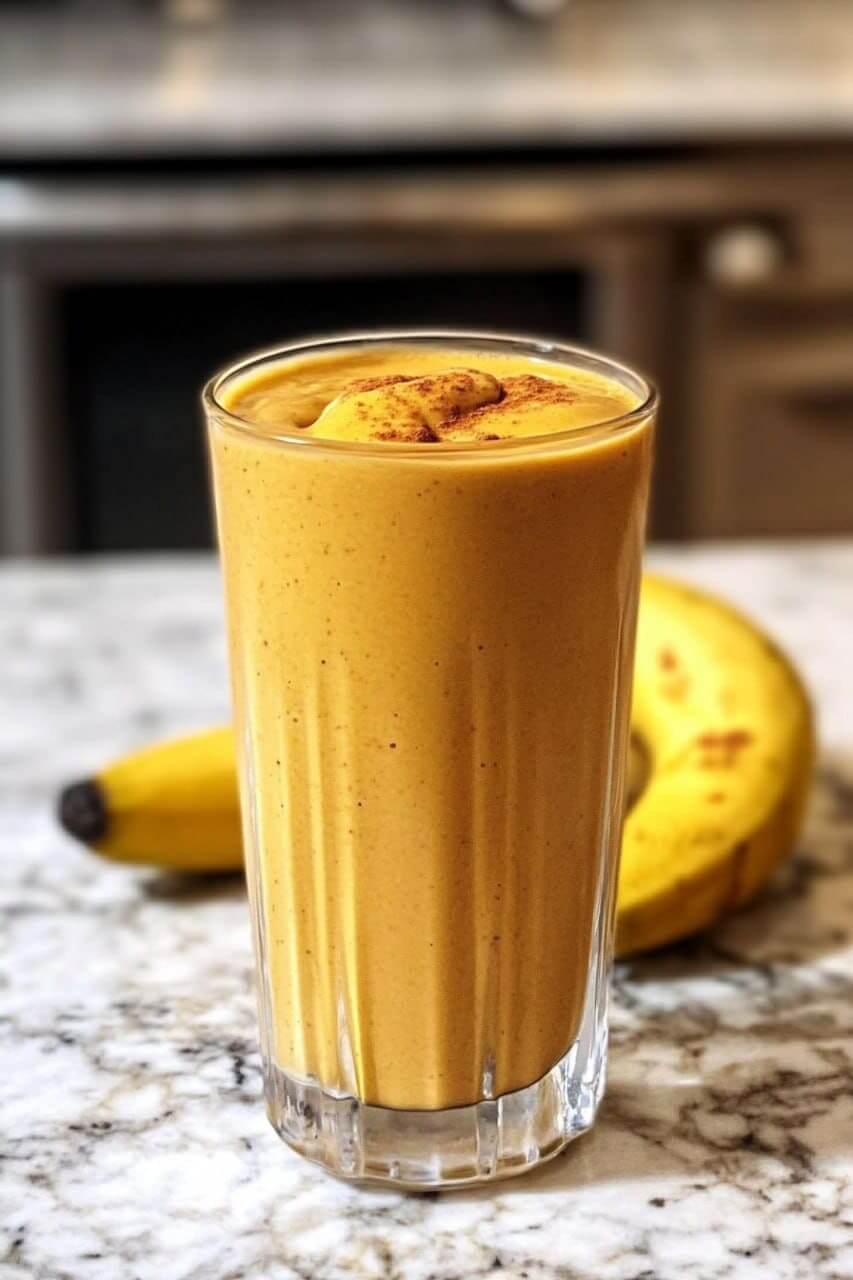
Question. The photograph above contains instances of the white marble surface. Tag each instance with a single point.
(133, 1140)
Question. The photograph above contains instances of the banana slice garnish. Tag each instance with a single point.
(405, 409)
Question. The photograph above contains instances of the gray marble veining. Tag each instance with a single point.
(133, 1140)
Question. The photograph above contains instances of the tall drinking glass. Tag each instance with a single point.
(431, 654)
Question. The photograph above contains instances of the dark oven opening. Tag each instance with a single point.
(137, 355)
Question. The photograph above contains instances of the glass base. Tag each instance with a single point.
(424, 1150)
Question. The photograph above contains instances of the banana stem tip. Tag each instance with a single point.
(82, 811)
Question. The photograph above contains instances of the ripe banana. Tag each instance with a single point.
(727, 728)
(173, 805)
(721, 761)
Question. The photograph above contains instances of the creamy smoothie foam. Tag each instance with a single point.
(431, 654)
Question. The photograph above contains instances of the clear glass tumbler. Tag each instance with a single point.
(431, 656)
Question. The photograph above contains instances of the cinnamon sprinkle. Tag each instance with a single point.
(358, 385)
(418, 435)
(518, 392)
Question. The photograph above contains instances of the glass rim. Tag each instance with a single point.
(522, 344)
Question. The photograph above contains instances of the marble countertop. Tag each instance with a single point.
(117, 79)
(134, 1145)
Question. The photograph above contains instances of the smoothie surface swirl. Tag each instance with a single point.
(425, 397)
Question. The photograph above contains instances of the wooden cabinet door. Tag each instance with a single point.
(770, 436)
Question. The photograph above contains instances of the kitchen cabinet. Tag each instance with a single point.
(724, 273)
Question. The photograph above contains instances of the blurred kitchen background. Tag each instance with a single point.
(670, 180)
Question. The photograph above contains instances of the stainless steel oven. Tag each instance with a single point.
(120, 296)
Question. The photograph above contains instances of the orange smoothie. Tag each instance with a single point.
(431, 558)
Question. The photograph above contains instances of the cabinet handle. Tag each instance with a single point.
(742, 254)
(824, 407)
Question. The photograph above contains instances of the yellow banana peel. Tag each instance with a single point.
(727, 728)
(723, 753)
(173, 805)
